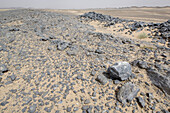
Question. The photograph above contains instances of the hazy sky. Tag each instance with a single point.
(80, 4)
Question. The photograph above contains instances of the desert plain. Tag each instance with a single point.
(85, 61)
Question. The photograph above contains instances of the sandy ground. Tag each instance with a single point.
(139, 14)
(33, 48)
(146, 14)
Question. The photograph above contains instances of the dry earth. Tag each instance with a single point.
(50, 59)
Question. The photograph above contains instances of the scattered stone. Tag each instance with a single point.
(44, 39)
(14, 29)
(32, 108)
(27, 100)
(62, 45)
(87, 101)
(102, 79)
(127, 92)
(13, 77)
(4, 103)
(3, 68)
(141, 102)
(116, 81)
(120, 70)
(143, 64)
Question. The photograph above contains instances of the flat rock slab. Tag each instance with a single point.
(127, 92)
(159, 80)
(120, 70)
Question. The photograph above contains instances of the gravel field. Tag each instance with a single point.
(71, 62)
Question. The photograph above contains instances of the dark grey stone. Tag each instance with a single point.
(14, 29)
(57, 111)
(87, 101)
(85, 107)
(13, 77)
(4, 103)
(27, 100)
(3, 68)
(44, 39)
(141, 101)
(102, 79)
(159, 80)
(32, 108)
(24, 109)
(143, 64)
(47, 109)
(62, 45)
(75, 109)
(120, 70)
(69, 109)
(13, 90)
(127, 92)
(116, 81)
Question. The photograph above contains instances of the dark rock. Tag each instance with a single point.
(13, 77)
(87, 101)
(99, 51)
(116, 81)
(127, 92)
(24, 109)
(14, 29)
(32, 108)
(141, 102)
(102, 79)
(8, 82)
(71, 53)
(62, 45)
(44, 39)
(47, 109)
(165, 111)
(143, 64)
(13, 90)
(57, 111)
(85, 107)
(4, 103)
(69, 109)
(27, 100)
(3, 68)
(93, 73)
(159, 80)
(120, 70)
(75, 109)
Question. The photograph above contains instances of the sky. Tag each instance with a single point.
(81, 4)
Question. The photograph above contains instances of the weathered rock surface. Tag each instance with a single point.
(127, 92)
(161, 81)
(120, 70)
